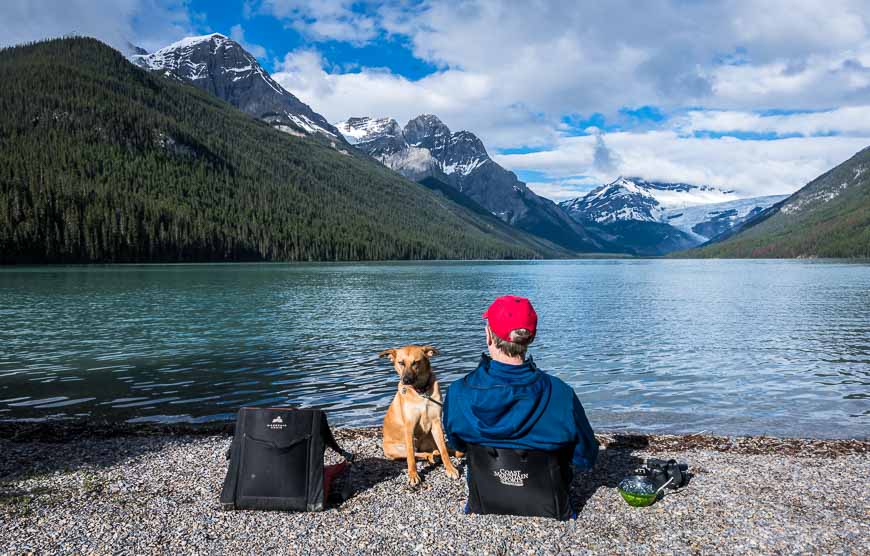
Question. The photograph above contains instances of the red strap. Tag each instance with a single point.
(330, 472)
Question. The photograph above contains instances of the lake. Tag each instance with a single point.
(730, 347)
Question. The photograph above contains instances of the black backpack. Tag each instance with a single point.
(519, 482)
(276, 461)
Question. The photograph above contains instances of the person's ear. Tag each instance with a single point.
(488, 336)
(391, 353)
(431, 351)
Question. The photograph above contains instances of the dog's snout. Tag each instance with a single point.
(407, 379)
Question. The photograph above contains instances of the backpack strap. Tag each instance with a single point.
(346, 487)
(329, 440)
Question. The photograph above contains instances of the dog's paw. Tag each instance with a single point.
(452, 472)
(413, 479)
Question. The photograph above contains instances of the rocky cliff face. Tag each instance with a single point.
(426, 147)
(222, 67)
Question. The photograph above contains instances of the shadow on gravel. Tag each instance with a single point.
(438, 466)
(614, 463)
(366, 473)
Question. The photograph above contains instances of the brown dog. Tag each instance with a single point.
(412, 425)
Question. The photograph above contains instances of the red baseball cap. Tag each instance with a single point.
(508, 313)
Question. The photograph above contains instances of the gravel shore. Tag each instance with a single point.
(153, 491)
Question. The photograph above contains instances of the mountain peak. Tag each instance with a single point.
(225, 69)
(188, 42)
(431, 119)
(423, 127)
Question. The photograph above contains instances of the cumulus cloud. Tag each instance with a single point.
(851, 120)
(150, 24)
(599, 57)
(380, 92)
(323, 19)
(512, 75)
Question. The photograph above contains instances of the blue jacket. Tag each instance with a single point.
(518, 407)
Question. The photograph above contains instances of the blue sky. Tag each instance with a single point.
(756, 97)
(277, 38)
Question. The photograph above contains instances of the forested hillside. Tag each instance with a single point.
(102, 162)
(829, 217)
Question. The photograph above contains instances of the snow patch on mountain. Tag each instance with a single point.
(361, 130)
(305, 123)
(703, 222)
(465, 167)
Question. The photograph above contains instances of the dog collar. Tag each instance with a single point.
(428, 384)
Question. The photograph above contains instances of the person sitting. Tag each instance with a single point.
(524, 431)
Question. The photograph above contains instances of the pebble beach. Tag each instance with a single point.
(93, 490)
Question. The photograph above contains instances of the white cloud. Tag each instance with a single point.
(146, 23)
(562, 190)
(851, 120)
(237, 33)
(323, 19)
(379, 92)
(750, 167)
(560, 58)
(512, 75)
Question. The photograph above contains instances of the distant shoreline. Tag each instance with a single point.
(60, 431)
(578, 257)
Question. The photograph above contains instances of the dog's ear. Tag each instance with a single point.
(391, 353)
(431, 351)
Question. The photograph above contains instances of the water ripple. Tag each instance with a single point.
(778, 347)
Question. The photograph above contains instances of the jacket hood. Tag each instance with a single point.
(508, 400)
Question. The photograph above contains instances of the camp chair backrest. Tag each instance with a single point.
(276, 460)
(518, 482)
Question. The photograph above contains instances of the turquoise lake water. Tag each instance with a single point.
(731, 347)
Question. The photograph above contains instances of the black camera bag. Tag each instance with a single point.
(276, 460)
(519, 482)
(670, 473)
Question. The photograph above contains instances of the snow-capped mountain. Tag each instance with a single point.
(423, 148)
(663, 216)
(426, 147)
(222, 67)
(638, 199)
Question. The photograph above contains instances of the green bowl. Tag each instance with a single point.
(638, 491)
(637, 500)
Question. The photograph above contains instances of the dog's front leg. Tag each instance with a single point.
(413, 476)
(438, 433)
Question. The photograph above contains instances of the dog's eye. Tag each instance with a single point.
(414, 365)
(401, 363)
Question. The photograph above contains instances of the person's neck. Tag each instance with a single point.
(506, 359)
